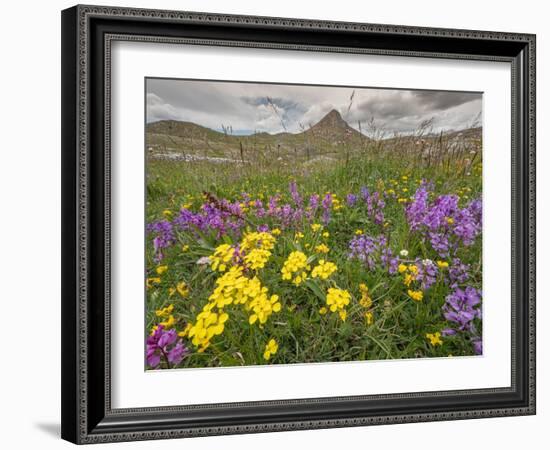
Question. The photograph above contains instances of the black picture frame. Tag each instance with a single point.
(87, 33)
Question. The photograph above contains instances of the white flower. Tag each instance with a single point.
(404, 253)
(427, 262)
(204, 260)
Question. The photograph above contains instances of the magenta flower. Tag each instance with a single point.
(164, 345)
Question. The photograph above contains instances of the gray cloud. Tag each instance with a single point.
(245, 106)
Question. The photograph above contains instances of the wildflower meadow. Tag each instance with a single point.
(364, 250)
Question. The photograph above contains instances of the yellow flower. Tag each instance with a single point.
(270, 349)
(298, 235)
(258, 239)
(417, 296)
(257, 258)
(321, 248)
(323, 310)
(161, 269)
(402, 200)
(450, 220)
(168, 323)
(222, 256)
(184, 248)
(358, 232)
(369, 316)
(402, 268)
(151, 281)
(365, 301)
(442, 264)
(263, 307)
(182, 289)
(324, 269)
(208, 325)
(185, 331)
(296, 263)
(434, 338)
(337, 300)
(275, 232)
(316, 227)
(167, 213)
(413, 269)
(343, 315)
(165, 312)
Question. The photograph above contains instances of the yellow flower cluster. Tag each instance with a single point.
(295, 268)
(442, 264)
(270, 349)
(258, 239)
(366, 302)
(337, 300)
(181, 288)
(222, 257)
(434, 338)
(151, 281)
(257, 246)
(409, 273)
(165, 312)
(161, 269)
(323, 270)
(322, 248)
(316, 227)
(417, 296)
(207, 325)
(232, 288)
(257, 258)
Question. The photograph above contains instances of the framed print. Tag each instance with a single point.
(281, 224)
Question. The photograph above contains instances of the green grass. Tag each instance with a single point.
(302, 333)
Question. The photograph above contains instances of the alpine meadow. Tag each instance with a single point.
(310, 224)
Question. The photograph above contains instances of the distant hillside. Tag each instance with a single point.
(331, 131)
(332, 136)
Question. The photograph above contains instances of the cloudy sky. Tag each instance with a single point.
(254, 107)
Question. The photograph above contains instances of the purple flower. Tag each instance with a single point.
(165, 345)
(351, 199)
(440, 243)
(461, 307)
(458, 273)
(427, 273)
(477, 344)
(219, 216)
(364, 248)
(443, 222)
(448, 332)
(416, 210)
(389, 260)
(327, 204)
(375, 205)
(163, 237)
(295, 194)
(260, 210)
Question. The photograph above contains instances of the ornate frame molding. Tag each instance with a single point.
(80, 415)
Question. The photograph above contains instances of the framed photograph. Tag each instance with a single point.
(281, 224)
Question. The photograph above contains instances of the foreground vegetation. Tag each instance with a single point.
(362, 255)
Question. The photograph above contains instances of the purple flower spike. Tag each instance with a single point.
(460, 307)
(477, 343)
